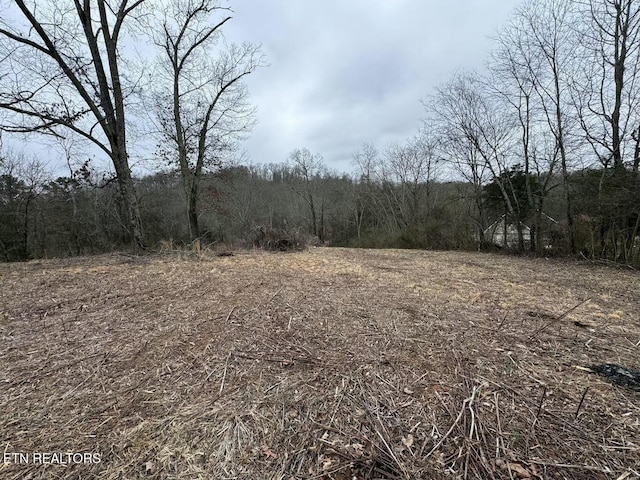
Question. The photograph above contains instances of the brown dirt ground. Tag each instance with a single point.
(325, 364)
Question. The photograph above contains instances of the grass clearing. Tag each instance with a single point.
(325, 364)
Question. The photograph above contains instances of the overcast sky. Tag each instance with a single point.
(346, 72)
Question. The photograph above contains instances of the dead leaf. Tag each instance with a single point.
(407, 441)
(327, 463)
(149, 468)
(268, 452)
(519, 470)
(408, 391)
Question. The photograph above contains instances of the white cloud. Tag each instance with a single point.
(344, 73)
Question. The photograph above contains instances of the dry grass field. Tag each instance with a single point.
(326, 364)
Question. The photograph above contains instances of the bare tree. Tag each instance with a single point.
(381, 199)
(202, 105)
(61, 70)
(477, 140)
(308, 169)
(411, 169)
(550, 28)
(608, 101)
(607, 92)
(394, 188)
(373, 199)
(521, 77)
(426, 164)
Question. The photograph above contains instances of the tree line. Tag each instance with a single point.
(543, 146)
(395, 201)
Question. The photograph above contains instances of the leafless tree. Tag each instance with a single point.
(393, 190)
(201, 100)
(476, 139)
(308, 168)
(607, 92)
(411, 168)
(61, 70)
(607, 99)
(380, 197)
(368, 201)
(520, 74)
(549, 36)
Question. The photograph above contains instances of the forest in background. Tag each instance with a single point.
(67, 217)
(541, 153)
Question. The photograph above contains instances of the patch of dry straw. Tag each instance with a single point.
(328, 364)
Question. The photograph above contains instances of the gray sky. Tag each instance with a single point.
(346, 72)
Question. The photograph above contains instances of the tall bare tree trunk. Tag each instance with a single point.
(86, 63)
(194, 225)
(129, 201)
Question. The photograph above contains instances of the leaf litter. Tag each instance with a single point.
(325, 364)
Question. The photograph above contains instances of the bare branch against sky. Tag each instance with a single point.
(345, 73)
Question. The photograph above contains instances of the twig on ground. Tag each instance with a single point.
(581, 400)
(224, 373)
(542, 397)
(466, 402)
(558, 318)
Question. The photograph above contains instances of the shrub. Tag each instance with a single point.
(273, 239)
